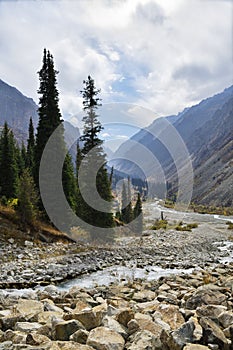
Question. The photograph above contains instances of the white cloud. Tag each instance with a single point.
(160, 54)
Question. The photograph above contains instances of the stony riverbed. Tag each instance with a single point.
(131, 311)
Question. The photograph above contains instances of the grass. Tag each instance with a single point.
(163, 224)
(159, 224)
(204, 209)
(10, 227)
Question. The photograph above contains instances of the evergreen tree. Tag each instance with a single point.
(78, 159)
(21, 156)
(28, 197)
(49, 120)
(8, 163)
(93, 158)
(138, 215)
(69, 183)
(49, 112)
(30, 159)
(111, 175)
(126, 205)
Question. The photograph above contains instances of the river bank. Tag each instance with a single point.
(189, 312)
(29, 265)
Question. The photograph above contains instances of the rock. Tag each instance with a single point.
(145, 295)
(14, 336)
(49, 306)
(171, 315)
(28, 244)
(29, 309)
(197, 332)
(73, 346)
(6, 345)
(27, 327)
(47, 316)
(146, 324)
(80, 336)
(195, 347)
(133, 326)
(9, 322)
(212, 334)
(102, 338)
(211, 311)
(36, 339)
(205, 297)
(88, 317)
(124, 316)
(226, 318)
(112, 324)
(149, 306)
(63, 330)
(180, 337)
(144, 340)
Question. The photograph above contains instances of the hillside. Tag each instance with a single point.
(206, 130)
(16, 109)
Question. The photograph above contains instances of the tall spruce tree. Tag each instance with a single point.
(93, 158)
(126, 204)
(8, 163)
(49, 112)
(138, 215)
(30, 157)
(49, 120)
(28, 197)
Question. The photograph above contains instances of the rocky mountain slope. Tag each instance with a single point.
(206, 130)
(16, 109)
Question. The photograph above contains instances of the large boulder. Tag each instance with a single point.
(144, 340)
(102, 338)
(29, 309)
(63, 330)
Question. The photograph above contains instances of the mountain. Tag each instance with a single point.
(205, 131)
(16, 109)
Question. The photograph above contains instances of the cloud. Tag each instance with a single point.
(163, 55)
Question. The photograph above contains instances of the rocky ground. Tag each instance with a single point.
(30, 264)
(189, 312)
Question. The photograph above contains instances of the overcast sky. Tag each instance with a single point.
(163, 55)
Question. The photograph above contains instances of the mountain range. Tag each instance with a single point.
(206, 131)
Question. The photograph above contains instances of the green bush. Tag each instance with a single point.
(159, 224)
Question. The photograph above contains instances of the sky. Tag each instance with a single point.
(149, 57)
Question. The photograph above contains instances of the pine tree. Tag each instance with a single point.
(138, 215)
(8, 163)
(49, 120)
(111, 175)
(93, 158)
(30, 159)
(49, 112)
(126, 204)
(28, 197)
(69, 183)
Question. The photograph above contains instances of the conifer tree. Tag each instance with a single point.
(93, 158)
(30, 158)
(8, 163)
(21, 156)
(28, 197)
(138, 215)
(126, 204)
(49, 112)
(49, 120)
